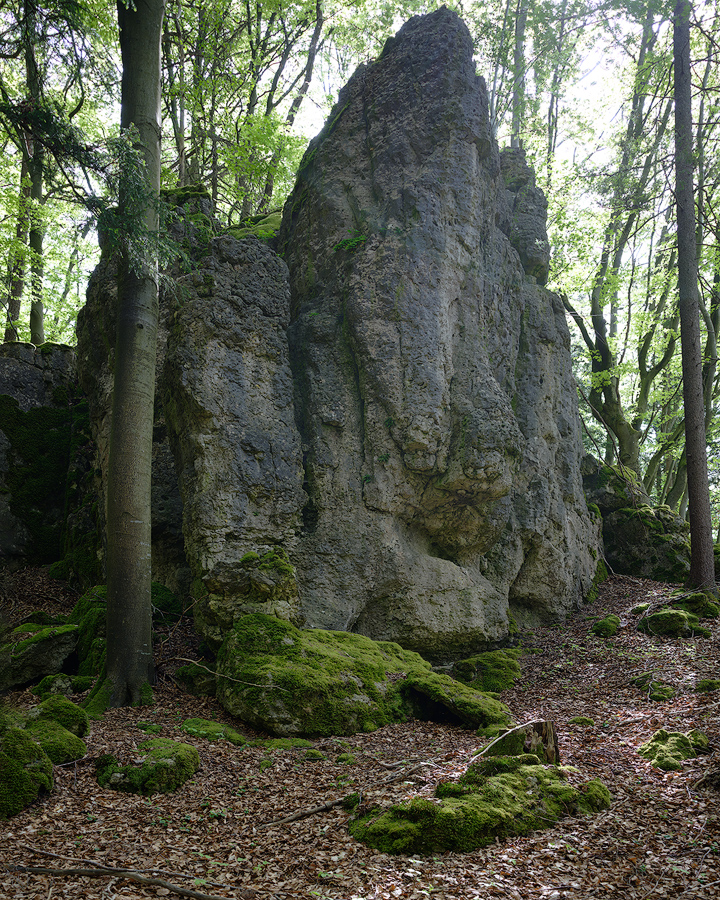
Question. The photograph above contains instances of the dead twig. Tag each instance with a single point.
(128, 874)
(111, 869)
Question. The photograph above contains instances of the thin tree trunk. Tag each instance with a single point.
(702, 565)
(129, 636)
(16, 272)
(35, 170)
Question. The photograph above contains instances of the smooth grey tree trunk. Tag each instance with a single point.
(129, 618)
(702, 567)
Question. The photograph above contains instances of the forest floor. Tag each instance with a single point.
(215, 837)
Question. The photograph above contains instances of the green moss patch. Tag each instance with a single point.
(667, 750)
(62, 685)
(25, 770)
(706, 685)
(495, 798)
(496, 670)
(700, 604)
(441, 698)
(263, 226)
(607, 627)
(167, 608)
(89, 614)
(673, 623)
(197, 680)
(582, 721)
(166, 766)
(64, 712)
(61, 745)
(291, 682)
(212, 731)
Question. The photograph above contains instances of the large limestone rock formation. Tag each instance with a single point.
(434, 391)
(386, 440)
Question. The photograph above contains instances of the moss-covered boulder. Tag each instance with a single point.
(64, 712)
(61, 745)
(647, 542)
(673, 623)
(606, 627)
(212, 731)
(288, 681)
(62, 685)
(197, 680)
(706, 685)
(30, 652)
(25, 771)
(495, 670)
(667, 750)
(655, 690)
(263, 226)
(167, 607)
(441, 698)
(495, 798)
(166, 766)
(700, 603)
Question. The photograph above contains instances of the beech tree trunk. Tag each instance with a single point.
(702, 566)
(130, 668)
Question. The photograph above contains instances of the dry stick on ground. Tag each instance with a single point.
(331, 804)
(113, 870)
(128, 874)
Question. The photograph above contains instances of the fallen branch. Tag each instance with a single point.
(128, 874)
(331, 804)
(111, 869)
(226, 677)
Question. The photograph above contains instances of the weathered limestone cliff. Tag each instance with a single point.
(376, 431)
(434, 391)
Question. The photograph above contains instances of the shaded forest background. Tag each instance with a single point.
(585, 87)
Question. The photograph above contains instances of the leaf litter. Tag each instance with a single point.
(219, 836)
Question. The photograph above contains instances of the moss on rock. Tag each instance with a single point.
(673, 623)
(582, 721)
(61, 745)
(700, 604)
(89, 614)
(495, 798)
(212, 731)
(293, 682)
(62, 685)
(166, 766)
(667, 750)
(441, 698)
(197, 680)
(64, 712)
(25, 770)
(496, 670)
(706, 685)
(607, 627)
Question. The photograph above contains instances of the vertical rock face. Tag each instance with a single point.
(434, 392)
(35, 438)
(228, 399)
